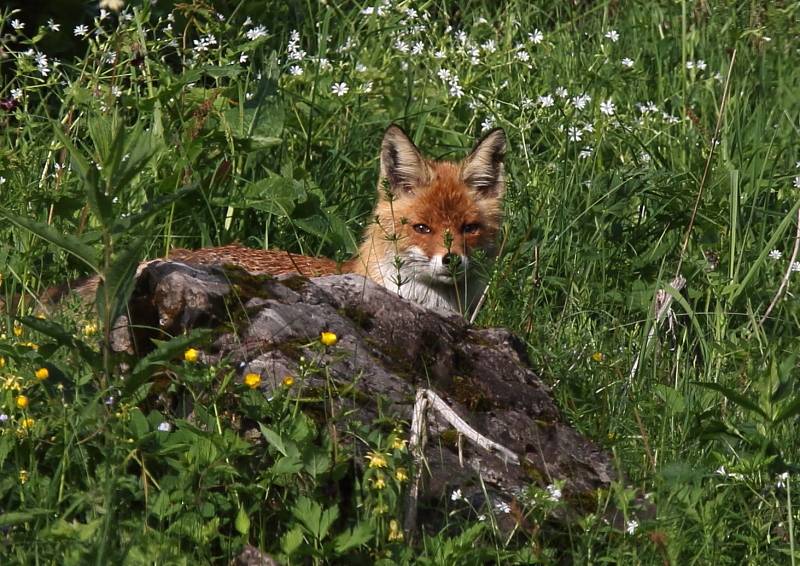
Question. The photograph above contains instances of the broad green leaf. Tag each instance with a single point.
(242, 522)
(66, 242)
(734, 397)
(292, 540)
(273, 438)
(350, 539)
(118, 282)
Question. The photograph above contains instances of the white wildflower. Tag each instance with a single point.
(295, 70)
(503, 507)
(631, 526)
(456, 495)
(607, 107)
(796, 266)
(775, 255)
(546, 101)
(561, 92)
(700, 64)
(690, 64)
(575, 134)
(536, 37)
(555, 493)
(17, 25)
(53, 26)
(627, 62)
(585, 153)
(340, 89)
(612, 35)
(80, 30)
(256, 32)
(164, 427)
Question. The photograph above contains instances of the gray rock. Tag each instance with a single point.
(387, 348)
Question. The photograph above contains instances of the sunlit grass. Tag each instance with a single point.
(271, 126)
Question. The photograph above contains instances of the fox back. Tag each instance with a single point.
(430, 218)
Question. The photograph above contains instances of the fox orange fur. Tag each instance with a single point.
(430, 217)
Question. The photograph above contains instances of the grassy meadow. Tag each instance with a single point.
(646, 140)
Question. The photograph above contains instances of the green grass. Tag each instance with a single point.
(595, 226)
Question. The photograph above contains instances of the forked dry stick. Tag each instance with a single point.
(785, 280)
(425, 399)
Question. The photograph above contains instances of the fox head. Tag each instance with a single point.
(432, 215)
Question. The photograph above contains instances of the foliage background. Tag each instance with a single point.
(265, 119)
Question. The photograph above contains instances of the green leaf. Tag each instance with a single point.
(66, 242)
(292, 540)
(273, 438)
(789, 411)
(242, 522)
(348, 540)
(151, 208)
(118, 281)
(164, 352)
(64, 338)
(734, 397)
(18, 517)
(88, 173)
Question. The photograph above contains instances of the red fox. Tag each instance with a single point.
(430, 217)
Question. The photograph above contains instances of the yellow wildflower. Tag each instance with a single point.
(90, 329)
(23, 476)
(252, 380)
(401, 474)
(27, 423)
(40, 316)
(12, 382)
(288, 381)
(379, 482)
(598, 357)
(328, 338)
(17, 331)
(42, 374)
(376, 460)
(394, 531)
(190, 355)
(2, 362)
(22, 402)
(399, 443)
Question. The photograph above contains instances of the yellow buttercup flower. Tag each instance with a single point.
(2, 362)
(288, 381)
(190, 355)
(328, 338)
(42, 374)
(17, 331)
(252, 380)
(90, 329)
(22, 402)
(27, 423)
(598, 357)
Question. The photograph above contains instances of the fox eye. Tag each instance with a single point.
(473, 228)
(422, 229)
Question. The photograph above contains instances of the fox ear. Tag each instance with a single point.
(483, 167)
(401, 162)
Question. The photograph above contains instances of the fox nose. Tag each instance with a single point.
(451, 260)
